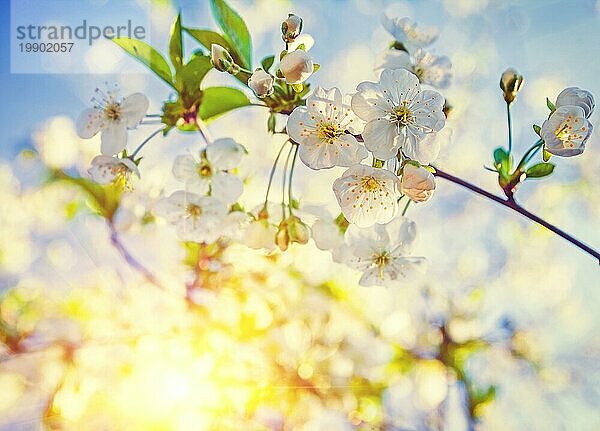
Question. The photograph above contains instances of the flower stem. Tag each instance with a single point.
(137, 150)
(509, 119)
(272, 174)
(510, 203)
(530, 153)
(283, 176)
(204, 131)
(406, 207)
(290, 199)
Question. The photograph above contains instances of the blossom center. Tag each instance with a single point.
(328, 132)
(370, 184)
(193, 210)
(119, 170)
(566, 134)
(112, 111)
(402, 114)
(204, 170)
(381, 259)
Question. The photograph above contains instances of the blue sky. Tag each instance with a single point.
(542, 38)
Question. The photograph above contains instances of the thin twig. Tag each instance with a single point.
(137, 150)
(510, 203)
(204, 131)
(290, 198)
(271, 175)
(132, 261)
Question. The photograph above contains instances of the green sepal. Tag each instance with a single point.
(540, 170)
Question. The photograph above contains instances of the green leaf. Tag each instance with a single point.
(103, 199)
(176, 44)
(190, 76)
(502, 162)
(540, 170)
(147, 55)
(546, 155)
(218, 100)
(550, 105)
(537, 129)
(235, 30)
(267, 62)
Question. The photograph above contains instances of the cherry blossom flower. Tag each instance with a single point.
(323, 129)
(381, 251)
(575, 96)
(108, 169)
(566, 131)
(296, 67)
(112, 116)
(196, 218)
(430, 69)
(417, 183)
(408, 32)
(210, 173)
(367, 195)
(397, 111)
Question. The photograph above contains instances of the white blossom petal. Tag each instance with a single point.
(185, 167)
(226, 187)
(225, 153)
(575, 96)
(393, 59)
(298, 123)
(383, 139)
(89, 122)
(425, 151)
(113, 138)
(133, 109)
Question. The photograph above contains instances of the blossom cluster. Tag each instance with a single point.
(393, 119)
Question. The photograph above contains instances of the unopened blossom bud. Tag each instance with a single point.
(222, 60)
(261, 83)
(291, 28)
(282, 238)
(511, 83)
(296, 67)
(417, 183)
(297, 230)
